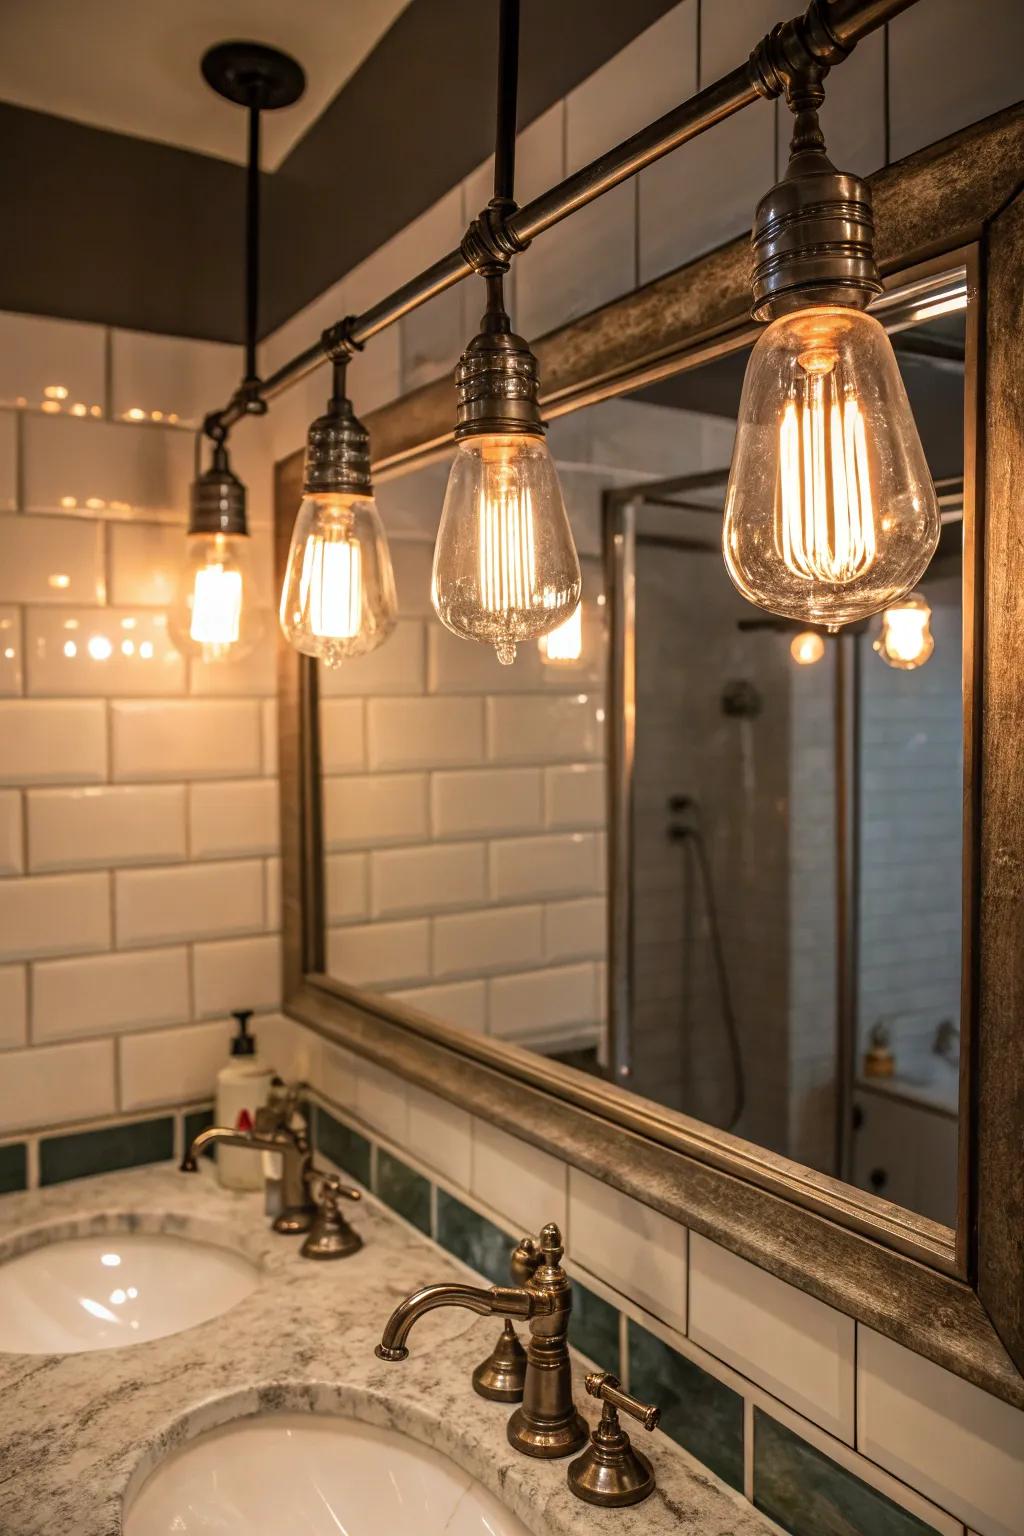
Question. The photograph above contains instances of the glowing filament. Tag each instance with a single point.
(216, 606)
(507, 556)
(566, 642)
(825, 527)
(331, 587)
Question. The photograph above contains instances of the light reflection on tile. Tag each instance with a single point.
(98, 468)
(96, 651)
(10, 652)
(51, 560)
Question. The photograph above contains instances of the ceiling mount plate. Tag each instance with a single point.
(253, 75)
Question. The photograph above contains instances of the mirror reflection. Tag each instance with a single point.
(712, 855)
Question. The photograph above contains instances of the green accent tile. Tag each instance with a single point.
(13, 1168)
(594, 1328)
(343, 1146)
(473, 1239)
(81, 1153)
(809, 1494)
(406, 1191)
(702, 1414)
(197, 1120)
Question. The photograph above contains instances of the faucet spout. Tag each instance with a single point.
(502, 1300)
(222, 1135)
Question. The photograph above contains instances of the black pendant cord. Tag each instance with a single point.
(252, 247)
(260, 79)
(508, 102)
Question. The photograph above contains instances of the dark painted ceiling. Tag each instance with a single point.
(107, 227)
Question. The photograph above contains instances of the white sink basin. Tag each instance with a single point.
(316, 1475)
(116, 1289)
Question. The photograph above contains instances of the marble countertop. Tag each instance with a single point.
(80, 1432)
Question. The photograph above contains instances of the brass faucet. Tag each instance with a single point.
(289, 1192)
(547, 1424)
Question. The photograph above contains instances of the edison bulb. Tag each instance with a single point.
(906, 639)
(831, 512)
(212, 617)
(807, 648)
(505, 565)
(338, 599)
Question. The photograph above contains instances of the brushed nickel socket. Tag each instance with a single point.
(218, 499)
(814, 233)
(337, 448)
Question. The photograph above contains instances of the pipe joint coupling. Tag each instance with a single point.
(801, 50)
(489, 244)
(339, 342)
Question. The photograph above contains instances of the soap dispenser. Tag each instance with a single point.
(243, 1087)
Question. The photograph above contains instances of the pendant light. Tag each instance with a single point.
(505, 565)
(338, 599)
(906, 639)
(831, 514)
(212, 616)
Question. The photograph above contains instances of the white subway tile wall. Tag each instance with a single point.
(796, 1347)
(138, 813)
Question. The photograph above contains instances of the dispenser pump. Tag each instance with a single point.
(243, 1044)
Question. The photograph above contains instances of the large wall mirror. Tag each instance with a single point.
(723, 908)
(770, 943)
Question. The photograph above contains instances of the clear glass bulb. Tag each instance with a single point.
(906, 640)
(831, 512)
(212, 616)
(505, 565)
(338, 599)
(807, 648)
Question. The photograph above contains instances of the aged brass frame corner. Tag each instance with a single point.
(957, 1299)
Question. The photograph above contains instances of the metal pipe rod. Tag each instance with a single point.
(848, 21)
(728, 95)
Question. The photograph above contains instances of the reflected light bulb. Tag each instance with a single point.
(338, 599)
(807, 648)
(566, 642)
(505, 565)
(831, 513)
(906, 639)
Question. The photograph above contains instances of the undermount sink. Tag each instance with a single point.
(107, 1291)
(315, 1474)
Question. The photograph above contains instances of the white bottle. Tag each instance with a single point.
(243, 1086)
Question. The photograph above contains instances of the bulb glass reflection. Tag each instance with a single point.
(505, 565)
(565, 643)
(213, 617)
(831, 512)
(807, 648)
(338, 599)
(906, 639)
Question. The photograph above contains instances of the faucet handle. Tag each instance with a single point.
(610, 1472)
(330, 1236)
(608, 1389)
(526, 1256)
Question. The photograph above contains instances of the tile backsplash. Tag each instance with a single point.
(138, 813)
(825, 1425)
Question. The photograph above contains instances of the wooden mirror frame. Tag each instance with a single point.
(956, 1298)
